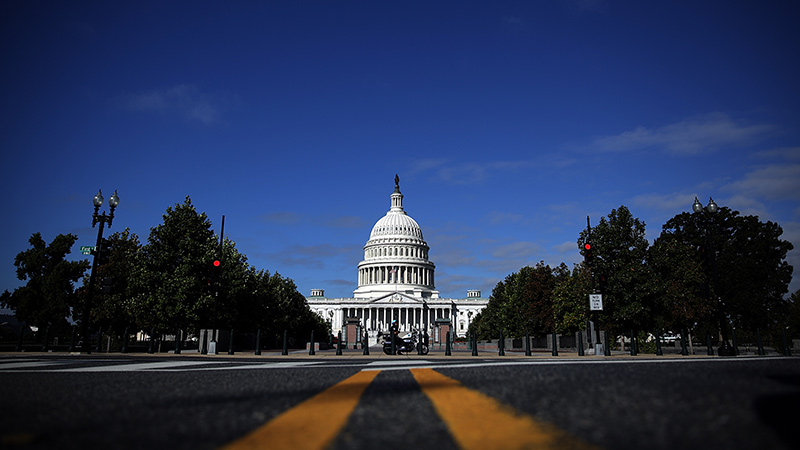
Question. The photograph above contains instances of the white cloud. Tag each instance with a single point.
(468, 172)
(502, 218)
(282, 218)
(672, 202)
(691, 136)
(771, 182)
(184, 101)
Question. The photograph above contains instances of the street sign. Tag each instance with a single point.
(595, 302)
(87, 249)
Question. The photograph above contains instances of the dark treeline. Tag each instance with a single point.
(704, 272)
(167, 283)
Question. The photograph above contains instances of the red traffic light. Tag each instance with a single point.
(216, 263)
(587, 246)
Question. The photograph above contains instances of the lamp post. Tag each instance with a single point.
(725, 348)
(102, 219)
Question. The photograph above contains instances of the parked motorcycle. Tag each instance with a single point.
(406, 344)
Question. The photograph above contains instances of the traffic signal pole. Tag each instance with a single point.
(217, 269)
(589, 259)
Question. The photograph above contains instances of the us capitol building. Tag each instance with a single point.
(396, 280)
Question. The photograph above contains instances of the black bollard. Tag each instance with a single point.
(258, 342)
(633, 343)
(709, 346)
(339, 345)
(659, 352)
(72, 340)
(527, 344)
(733, 341)
(204, 346)
(311, 350)
(151, 349)
(606, 348)
(365, 344)
(419, 346)
(99, 342)
(761, 351)
(501, 346)
(786, 351)
(230, 343)
(285, 343)
(46, 339)
(580, 344)
(394, 345)
(124, 348)
(555, 345)
(178, 342)
(447, 345)
(684, 348)
(19, 338)
(474, 338)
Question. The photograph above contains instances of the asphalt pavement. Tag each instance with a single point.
(205, 402)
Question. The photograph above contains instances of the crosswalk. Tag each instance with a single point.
(83, 364)
(89, 364)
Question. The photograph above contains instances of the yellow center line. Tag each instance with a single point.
(312, 424)
(477, 421)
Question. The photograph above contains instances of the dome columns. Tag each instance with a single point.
(396, 274)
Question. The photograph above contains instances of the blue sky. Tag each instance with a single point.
(508, 123)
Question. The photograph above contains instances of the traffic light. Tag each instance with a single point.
(587, 254)
(103, 252)
(215, 270)
(603, 282)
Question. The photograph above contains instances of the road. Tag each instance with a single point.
(379, 402)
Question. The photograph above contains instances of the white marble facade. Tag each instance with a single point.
(396, 281)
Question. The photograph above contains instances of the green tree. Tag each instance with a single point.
(744, 264)
(681, 300)
(522, 303)
(49, 294)
(232, 290)
(571, 299)
(114, 306)
(791, 319)
(172, 288)
(620, 247)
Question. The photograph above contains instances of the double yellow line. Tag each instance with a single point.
(475, 420)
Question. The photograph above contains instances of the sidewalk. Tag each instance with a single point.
(376, 352)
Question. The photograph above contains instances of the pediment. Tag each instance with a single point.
(396, 298)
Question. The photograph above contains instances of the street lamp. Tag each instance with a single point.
(725, 348)
(102, 219)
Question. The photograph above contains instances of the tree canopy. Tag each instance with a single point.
(522, 303)
(737, 259)
(705, 268)
(619, 250)
(49, 295)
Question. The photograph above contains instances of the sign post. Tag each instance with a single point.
(596, 304)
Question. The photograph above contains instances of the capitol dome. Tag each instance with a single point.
(396, 256)
(397, 224)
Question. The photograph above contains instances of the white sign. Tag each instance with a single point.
(595, 302)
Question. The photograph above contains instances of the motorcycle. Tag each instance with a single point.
(407, 344)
